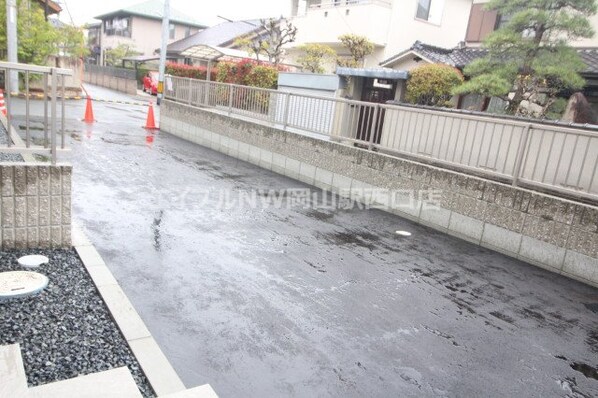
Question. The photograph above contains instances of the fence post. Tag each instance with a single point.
(207, 94)
(374, 127)
(231, 90)
(53, 116)
(7, 87)
(520, 154)
(190, 91)
(287, 104)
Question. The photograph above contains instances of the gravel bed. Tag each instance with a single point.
(66, 330)
(7, 157)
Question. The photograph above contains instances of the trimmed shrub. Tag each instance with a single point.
(245, 72)
(248, 73)
(432, 85)
(262, 76)
(194, 72)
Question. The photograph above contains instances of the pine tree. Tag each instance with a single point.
(530, 56)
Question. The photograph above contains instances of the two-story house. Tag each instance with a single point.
(392, 25)
(459, 54)
(140, 27)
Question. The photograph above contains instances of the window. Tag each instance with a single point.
(423, 9)
(172, 31)
(430, 10)
(188, 31)
(118, 27)
(481, 23)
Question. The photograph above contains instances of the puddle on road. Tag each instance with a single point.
(355, 238)
(588, 371)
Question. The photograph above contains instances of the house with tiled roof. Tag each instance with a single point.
(461, 56)
(140, 27)
(222, 35)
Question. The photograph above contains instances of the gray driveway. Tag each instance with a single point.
(267, 302)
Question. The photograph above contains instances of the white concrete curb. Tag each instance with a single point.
(156, 367)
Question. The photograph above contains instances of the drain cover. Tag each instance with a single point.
(15, 284)
(32, 261)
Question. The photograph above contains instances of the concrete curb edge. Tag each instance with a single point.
(154, 364)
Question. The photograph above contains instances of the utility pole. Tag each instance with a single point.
(165, 36)
(12, 82)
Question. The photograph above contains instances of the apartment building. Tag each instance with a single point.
(140, 26)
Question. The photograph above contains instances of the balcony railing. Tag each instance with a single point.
(51, 82)
(546, 156)
(314, 5)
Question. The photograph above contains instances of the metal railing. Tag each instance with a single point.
(542, 155)
(51, 82)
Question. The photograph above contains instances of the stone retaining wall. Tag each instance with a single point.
(35, 205)
(549, 232)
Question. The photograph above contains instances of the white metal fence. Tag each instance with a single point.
(53, 86)
(543, 155)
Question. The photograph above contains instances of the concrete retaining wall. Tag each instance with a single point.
(35, 205)
(549, 232)
(127, 86)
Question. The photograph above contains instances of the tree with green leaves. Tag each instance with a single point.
(36, 37)
(314, 56)
(359, 47)
(114, 56)
(71, 41)
(39, 39)
(529, 58)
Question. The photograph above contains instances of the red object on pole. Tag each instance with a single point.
(2, 104)
(88, 112)
(150, 123)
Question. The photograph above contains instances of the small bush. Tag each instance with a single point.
(432, 85)
(262, 76)
(248, 73)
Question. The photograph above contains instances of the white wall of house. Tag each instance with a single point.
(146, 35)
(446, 26)
(392, 25)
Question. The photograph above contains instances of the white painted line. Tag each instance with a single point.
(403, 233)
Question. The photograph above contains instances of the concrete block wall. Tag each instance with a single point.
(546, 231)
(127, 86)
(35, 205)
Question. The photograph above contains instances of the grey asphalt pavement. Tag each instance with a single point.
(302, 302)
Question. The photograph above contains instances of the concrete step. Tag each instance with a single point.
(204, 391)
(13, 382)
(113, 383)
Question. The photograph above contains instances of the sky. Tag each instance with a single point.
(205, 11)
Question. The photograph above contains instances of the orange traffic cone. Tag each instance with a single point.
(88, 112)
(150, 123)
(2, 103)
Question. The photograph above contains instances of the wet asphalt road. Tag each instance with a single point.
(297, 302)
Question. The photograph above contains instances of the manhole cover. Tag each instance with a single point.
(32, 261)
(15, 284)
